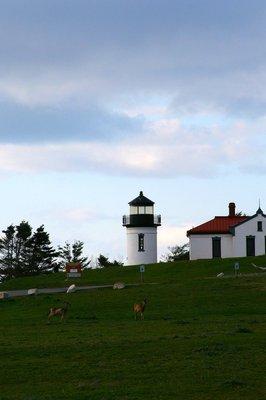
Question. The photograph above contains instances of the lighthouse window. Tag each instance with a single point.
(141, 242)
(149, 209)
(133, 210)
(141, 210)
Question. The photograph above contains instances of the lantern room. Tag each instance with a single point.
(141, 205)
(141, 213)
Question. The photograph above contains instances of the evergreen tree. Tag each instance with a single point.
(103, 261)
(7, 252)
(12, 249)
(65, 253)
(40, 253)
(117, 263)
(23, 253)
(73, 253)
(77, 253)
(22, 243)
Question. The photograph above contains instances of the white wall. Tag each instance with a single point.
(201, 246)
(246, 229)
(231, 246)
(149, 256)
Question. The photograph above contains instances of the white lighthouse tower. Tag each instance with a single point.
(141, 225)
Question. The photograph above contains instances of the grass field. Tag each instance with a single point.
(203, 338)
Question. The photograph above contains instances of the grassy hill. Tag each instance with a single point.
(203, 338)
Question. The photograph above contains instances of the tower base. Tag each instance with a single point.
(141, 251)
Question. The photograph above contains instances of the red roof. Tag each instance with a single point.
(217, 225)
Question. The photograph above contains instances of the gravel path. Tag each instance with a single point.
(18, 293)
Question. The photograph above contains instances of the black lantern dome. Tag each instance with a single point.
(141, 200)
(141, 213)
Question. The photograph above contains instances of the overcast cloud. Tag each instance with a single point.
(98, 72)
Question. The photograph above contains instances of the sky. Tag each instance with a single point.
(102, 99)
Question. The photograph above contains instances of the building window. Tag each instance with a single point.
(216, 247)
(141, 242)
(250, 246)
(259, 226)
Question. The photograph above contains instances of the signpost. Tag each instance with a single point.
(236, 267)
(141, 270)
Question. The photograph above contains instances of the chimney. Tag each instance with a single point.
(232, 209)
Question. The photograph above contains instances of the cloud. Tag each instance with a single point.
(237, 93)
(206, 55)
(20, 124)
(77, 157)
(108, 78)
(167, 149)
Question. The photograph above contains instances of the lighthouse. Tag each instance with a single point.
(141, 227)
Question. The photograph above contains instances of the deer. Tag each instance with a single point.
(139, 308)
(61, 311)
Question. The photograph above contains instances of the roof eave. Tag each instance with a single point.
(209, 233)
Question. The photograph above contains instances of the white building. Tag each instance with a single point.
(141, 226)
(229, 236)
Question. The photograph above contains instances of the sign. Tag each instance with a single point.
(73, 267)
(73, 270)
(73, 274)
(236, 266)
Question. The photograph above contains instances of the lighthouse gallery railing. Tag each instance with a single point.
(130, 219)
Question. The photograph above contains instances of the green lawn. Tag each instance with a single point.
(203, 338)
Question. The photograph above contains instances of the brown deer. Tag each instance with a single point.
(139, 308)
(61, 311)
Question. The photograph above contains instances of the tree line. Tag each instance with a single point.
(25, 252)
